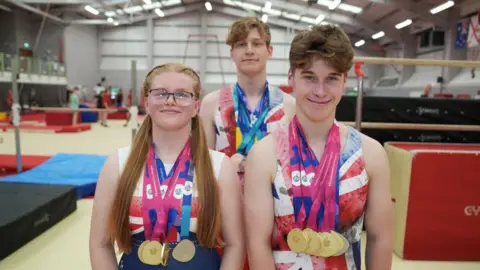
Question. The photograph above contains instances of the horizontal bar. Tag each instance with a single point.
(418, 62)
(405, 126)
(65, 109)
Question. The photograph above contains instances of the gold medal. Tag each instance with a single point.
(184, 251)
(321, 239)
(140, 250)
(346, 244)
(331, 245)
(165, 254)
(314, 243)
(151, 253)
(297, 241)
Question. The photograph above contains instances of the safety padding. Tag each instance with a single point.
(436, 194)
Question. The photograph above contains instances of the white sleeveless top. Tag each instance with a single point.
(136, 220)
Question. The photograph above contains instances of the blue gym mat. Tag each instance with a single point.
(79, 170)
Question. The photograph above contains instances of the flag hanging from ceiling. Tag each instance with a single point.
(462, 34)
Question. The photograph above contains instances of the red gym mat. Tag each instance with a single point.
(8, 163)
(437, 202)
(118, 116)
(29, 117)
(54, 129)
(435, 146)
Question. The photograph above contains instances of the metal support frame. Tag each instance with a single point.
(134, 106)
(16, 111)
(358, 114)
(191, 36)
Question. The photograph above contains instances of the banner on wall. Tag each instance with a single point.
(473, 39)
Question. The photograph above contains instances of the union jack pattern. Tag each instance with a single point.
(135, 213)
(225, 122)
(353, 197)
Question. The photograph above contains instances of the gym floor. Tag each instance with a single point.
(65, 246)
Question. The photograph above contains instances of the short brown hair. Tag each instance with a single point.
(327, 42)
(240, 28)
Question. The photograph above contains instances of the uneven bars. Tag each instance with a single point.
(16, 111)
(406, 126)
(358, 114)
(418, 62)
(65, 109)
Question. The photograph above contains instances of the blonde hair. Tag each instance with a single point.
(208, 225)
(241, 27)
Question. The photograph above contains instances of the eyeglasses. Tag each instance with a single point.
(181, 98)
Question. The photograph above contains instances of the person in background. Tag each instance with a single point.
(239, 115)
(427, 91)
(119, 99)
(477, 96)
(74, 104)
(310, 185)
(9, 106)
(166, 199)
(101, 104)
(129, 115)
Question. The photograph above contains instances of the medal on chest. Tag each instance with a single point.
(315, 196)
(162, 192)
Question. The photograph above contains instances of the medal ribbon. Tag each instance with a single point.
(315, 184)
(246, 133)
(162, 192)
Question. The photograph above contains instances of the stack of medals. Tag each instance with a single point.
(175, 187)
(321, 244)
(315, 195)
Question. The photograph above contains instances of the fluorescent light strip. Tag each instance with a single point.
(359, 43)
(319, 19)
(272, 12)
(350, 8)
(91, 10)
(333, 5)
(308, 20)
(341, 6)
(152, 6)
(110, 20)
(268, 5)
(378, 35)
(291, 16)
(159, 12)
(110, 13)
(208, 6)
(148, 2)
(264, 18)
(133, 9)
(442, 7)
(403, 24)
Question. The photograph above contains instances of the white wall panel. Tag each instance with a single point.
(431, 55)
(122, 63)
(125, 33)
(392, 70)
(175, 33)
(218, 19)
(193, 63)
(175, 49)
(184, 19)
(124, 48)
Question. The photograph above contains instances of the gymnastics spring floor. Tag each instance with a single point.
(65, 244)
